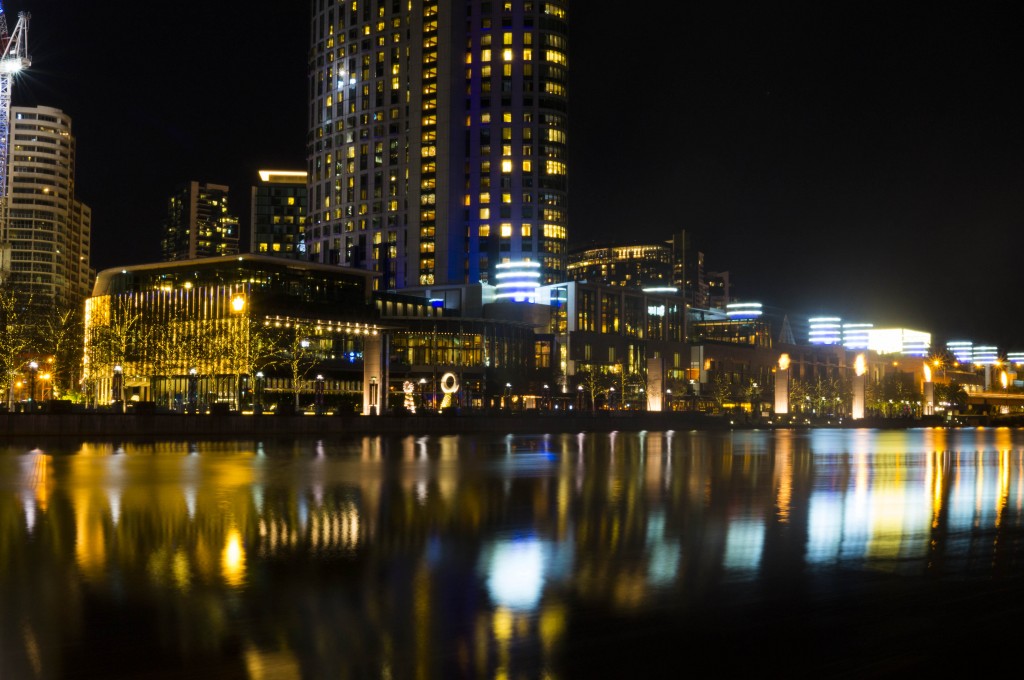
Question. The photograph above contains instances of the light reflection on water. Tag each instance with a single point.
(467, 555)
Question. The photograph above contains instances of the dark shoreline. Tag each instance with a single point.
(124, 426)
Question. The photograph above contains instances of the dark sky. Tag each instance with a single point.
(850, 158)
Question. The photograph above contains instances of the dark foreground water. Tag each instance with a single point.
(652, 554)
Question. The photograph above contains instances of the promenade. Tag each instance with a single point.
(101, 424)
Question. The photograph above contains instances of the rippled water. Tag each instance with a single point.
(645, 554)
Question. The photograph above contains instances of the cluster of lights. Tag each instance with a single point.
(985, 355)
(825, 330)
(517, 281)
(962, 350)
(857, 335)
(738, 311)
(329, 326)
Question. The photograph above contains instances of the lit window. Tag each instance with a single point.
(506, 230)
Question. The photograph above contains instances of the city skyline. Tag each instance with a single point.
(840, 160)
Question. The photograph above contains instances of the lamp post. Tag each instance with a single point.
(32, 368)
(508, 396)
(579, 397)
(374, 396)
(547, 397)
(318, 395)
(117, 389)
(668, 399)
(423, 387)
(193, 391)
(611, 398)
(257, 408)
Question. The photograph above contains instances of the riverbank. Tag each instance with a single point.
(105, 425)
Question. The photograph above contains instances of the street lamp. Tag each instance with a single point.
(318, 395)
(508, 396)
(193, 390)
(611, 398)
(423, 387)
(579, 397)
(258, 406)
(547, 397)
(32, 368)
(668, 399)
(117, 388)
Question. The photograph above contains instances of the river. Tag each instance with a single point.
(626, 554)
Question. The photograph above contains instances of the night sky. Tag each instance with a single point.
(855, 159)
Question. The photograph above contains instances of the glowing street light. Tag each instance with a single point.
(32, 368)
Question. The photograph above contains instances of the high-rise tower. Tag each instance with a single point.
(199, 223)
(437, 137)
(278, 214)
(49, 230)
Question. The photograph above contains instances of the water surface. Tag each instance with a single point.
(630, 554)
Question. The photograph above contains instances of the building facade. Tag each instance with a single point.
(278, 214)
(47, 245)
(199, 223)
(636, 266)
(437, 138)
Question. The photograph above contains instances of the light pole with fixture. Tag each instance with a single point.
(32, 368)
(117, 389)
(257, 408)
(193, 391)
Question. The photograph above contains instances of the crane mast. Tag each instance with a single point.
(13, 58)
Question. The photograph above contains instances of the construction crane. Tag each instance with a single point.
(13, 59)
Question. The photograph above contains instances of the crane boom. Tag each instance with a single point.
(13, 58)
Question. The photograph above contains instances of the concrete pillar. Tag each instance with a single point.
(782, 386)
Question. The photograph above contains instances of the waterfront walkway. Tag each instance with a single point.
(129, 425)
(103, 424)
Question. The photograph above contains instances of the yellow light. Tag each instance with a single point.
(1003, 379)
(927, 373)
(238, 303)
(233, 559)
(860, 366)
(784, 362)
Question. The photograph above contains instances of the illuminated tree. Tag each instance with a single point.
(60, 335)
(15, 336)
(721, 389)
(798, 394)
(297, 351)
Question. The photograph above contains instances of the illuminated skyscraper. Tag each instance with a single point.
(50, 231)
(199, 223)
(437, 138)
(278, 213)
